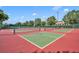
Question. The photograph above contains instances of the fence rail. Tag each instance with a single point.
(53, 26)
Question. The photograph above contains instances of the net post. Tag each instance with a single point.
(14, 31)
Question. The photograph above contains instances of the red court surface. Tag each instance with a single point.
(10, 43)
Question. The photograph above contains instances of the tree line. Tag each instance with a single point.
(38, 22)
(72, 17)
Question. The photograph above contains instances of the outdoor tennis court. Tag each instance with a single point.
(63, 30)
(42, 39)
(35, 40)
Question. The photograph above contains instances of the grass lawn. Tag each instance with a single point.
(42, 39)
(63, 30)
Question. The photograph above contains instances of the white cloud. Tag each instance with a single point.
(56, 8)
(43, 16)
(22, 17)
(34, 14)
(66, 10)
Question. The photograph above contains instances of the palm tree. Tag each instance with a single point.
(3, 17)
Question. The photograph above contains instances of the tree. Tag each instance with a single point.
(3, 17)
(51, 20)
(25, 23)
(18, 24)
(71, 17)
(38, 22)
(31, 23)
(43, 23)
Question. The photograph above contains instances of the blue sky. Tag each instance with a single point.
(26, 13)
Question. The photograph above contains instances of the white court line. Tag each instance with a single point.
(28, 40)
(38, 45)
